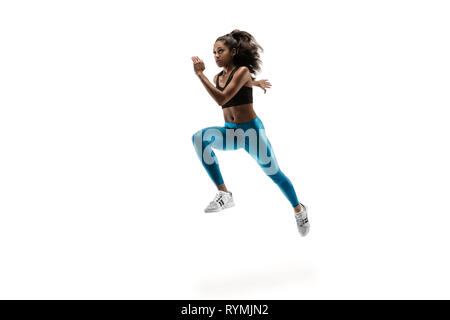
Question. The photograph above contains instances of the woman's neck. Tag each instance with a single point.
(228, 69)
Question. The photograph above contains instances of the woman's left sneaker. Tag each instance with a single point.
(302, 220)
(222, 200)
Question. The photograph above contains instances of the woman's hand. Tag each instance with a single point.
(263, 84)
(199, 66)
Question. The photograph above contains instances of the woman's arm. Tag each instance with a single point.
(240, 77)
(263, 84)
(215, 93)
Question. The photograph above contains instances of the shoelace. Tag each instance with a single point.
(216, 198)
(300, 219)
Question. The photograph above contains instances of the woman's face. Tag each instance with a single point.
(222, 54)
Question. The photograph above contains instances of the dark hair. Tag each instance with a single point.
(247, 49)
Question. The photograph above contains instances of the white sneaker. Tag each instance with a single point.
(221, 201)
(302, 220)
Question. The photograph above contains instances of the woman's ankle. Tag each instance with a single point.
(222, 187)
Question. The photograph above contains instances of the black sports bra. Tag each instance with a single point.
(243, 96)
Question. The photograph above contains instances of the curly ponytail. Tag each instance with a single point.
(247, 49)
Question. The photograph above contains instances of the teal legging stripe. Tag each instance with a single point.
(252, 137)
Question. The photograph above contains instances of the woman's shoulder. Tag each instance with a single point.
(245, 68)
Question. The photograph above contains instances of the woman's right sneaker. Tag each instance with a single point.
(222, 200)
(302, 220)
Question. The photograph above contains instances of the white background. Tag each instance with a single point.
(102, 194)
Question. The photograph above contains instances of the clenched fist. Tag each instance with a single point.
(199, 66)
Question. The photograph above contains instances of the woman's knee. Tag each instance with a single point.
(197, 136)
(278, 177)
(197, 141)
(213, 136)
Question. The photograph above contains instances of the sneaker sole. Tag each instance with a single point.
(222, 208)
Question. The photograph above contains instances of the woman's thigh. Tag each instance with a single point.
(261, 150)
(215, 137)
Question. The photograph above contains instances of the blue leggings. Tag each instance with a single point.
(252, 137)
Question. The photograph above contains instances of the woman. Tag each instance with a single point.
(237, 54)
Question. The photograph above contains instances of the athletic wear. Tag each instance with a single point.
(252, 137)
(302, 220)
(243, 96)
(222, 200)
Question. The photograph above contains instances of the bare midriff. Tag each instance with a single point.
(240, 113)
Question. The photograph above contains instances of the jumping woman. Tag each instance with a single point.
(237, 54)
